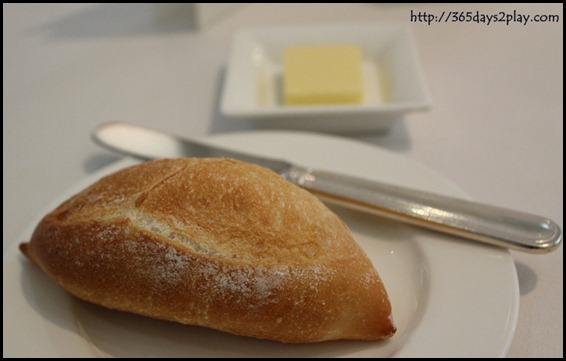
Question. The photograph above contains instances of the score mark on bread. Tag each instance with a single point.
(216, 243)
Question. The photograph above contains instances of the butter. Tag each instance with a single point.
(322, 74)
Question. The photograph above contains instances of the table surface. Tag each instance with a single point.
(495, 128)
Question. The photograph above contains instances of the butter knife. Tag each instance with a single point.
(471, 220)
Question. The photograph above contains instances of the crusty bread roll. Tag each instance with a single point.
(217, 243)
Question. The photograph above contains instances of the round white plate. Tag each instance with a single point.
(450, 297)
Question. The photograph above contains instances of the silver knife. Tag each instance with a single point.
(471, 220)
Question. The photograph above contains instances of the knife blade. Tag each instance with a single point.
(485, 223)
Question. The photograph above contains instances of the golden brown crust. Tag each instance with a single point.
(217, 243)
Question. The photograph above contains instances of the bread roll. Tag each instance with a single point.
(217, 243)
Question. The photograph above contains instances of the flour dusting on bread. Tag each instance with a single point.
(218, 243)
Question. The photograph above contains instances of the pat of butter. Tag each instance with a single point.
(322, 74)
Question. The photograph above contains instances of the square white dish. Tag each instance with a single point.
(393, 83)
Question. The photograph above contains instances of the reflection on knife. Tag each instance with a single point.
(485, 223)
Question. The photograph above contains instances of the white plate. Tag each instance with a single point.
(393, 82)
(450, 297)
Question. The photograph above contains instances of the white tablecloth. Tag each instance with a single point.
(495, 128)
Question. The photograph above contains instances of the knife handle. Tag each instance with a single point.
(481, 222)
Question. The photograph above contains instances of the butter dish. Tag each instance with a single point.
(392, 79)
